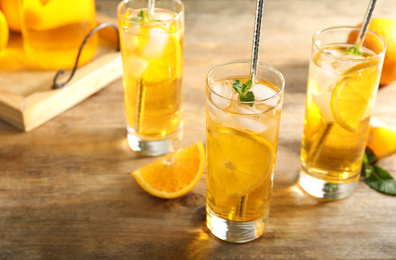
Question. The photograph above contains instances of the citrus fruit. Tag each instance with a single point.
(352, 94)
(165, 68)
(3, 32)
(173, 175)
(382, 138)
(10, 10)
(240, 161)
(386, 27)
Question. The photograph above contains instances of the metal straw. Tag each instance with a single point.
(366, 22)
(241, 207)
(256, 39)
(151, 7)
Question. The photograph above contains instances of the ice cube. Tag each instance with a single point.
(155, 46)
(135, 66)
(262, 92)
(215, 114)
(246, 109)
(324, 76)
(246, 123)
(322, 100)
(130, 41)
(163, 16)
(225, 90)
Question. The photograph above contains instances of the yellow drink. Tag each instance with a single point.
(153, 68)
(241, 151)
(340, 96)
(53, 31)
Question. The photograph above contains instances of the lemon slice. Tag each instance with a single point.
(351, 96)
(240, 161)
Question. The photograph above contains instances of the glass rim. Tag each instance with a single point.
(244, 61)
(177, 17)
(343, 58)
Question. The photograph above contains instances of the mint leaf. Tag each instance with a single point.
(371, 158)
(247, 86)
(249, 96)
(142, 17)
(353, 51)
(381, 181)
(237, 85)
(375, 176)
(242, 89)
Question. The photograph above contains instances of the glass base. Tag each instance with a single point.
(154, 147)
(321, 189)
(233, 231)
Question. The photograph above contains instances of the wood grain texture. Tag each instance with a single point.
(66, 190)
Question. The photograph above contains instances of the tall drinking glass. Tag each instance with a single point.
(342, 86)
(242, 138)
(152, 57)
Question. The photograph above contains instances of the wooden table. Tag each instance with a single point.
(66, 190)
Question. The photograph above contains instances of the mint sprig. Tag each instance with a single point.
(142, 17)
(353, 51)
(377, 177)
(243, 90)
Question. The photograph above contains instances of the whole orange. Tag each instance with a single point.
(386, 27)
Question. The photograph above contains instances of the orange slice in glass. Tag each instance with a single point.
(240, 161)
(352, 94)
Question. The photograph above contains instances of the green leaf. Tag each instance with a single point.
(247, 86)
(242, 89)
(354, 51)
(371, 158)
(142, 17)
(237, 85)
(381, 181)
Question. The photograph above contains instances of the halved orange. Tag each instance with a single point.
(173, 175)
(382, 138)
(352, 94)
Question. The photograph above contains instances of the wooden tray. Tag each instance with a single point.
(27, 99)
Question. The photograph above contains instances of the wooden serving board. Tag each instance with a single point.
(27, 99)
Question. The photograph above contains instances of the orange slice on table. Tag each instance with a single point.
(352, 94)
(173, 175)
(382, 138)
(239, 162)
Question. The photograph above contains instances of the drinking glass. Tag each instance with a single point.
(241, 144)
(342, 86)
(152, 57)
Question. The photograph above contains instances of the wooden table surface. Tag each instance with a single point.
(66, 191)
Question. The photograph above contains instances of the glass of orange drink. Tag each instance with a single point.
(53, 31)
(342, 86)
(241, 144)
(152, 56)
